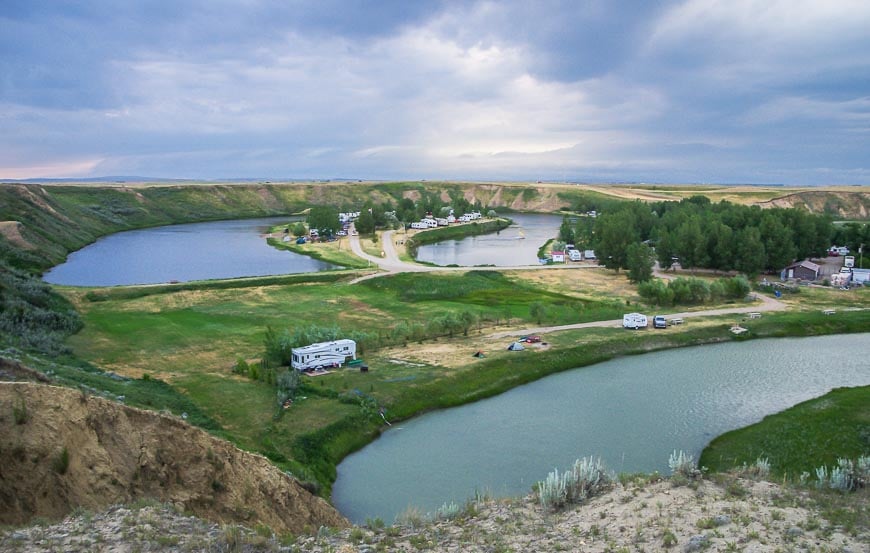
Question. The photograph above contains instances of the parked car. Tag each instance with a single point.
(659, 321)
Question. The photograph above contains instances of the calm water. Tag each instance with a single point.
(632, 412)
(198, 251)
(515, 245)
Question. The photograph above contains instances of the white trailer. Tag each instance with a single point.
(634, 321)
(322, 355)
(574, 255)
(861, 276)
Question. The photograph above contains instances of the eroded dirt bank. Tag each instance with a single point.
(61, 449)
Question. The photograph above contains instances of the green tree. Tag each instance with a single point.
(749, 251)
(691, 246)
(566, 231)
(656, 292)
(324, 218)
(614, 232)
(640, 260)
(721, 246)
(665, 249)
(778, 242)
(299, 229)
(365, 223)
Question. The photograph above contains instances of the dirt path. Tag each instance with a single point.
(767, 304)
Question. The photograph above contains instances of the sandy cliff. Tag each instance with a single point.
(61, 449)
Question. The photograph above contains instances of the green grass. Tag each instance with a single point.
(799, 439)
(344, 258)
(191, 338)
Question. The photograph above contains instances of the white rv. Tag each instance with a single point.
(634, 321)
(322, 354)
(574, 255)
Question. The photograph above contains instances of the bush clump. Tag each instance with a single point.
(585, 479)
(847, 476)
(683, 464)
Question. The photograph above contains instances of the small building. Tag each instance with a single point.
(805, 270)
(558, 256)
(322, 354)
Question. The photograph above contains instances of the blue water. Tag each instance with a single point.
(198, 251)
(631, 411)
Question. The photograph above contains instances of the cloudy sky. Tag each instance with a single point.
(767, 91)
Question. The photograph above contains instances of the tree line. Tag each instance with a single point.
(697, 233)
(391, 213)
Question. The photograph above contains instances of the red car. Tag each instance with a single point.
(531, 339)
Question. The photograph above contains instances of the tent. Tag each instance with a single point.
(516, 346)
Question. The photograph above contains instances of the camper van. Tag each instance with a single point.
(322, 355)
(574, 255)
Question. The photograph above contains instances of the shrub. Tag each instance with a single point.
(847, 476)
(241, 366)
(448, 511)
(683, 464)
(585, 479)
(760, 469)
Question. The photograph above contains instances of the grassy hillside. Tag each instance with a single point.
(801, 438)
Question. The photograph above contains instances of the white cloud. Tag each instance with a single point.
(438, 98)
(763, 40)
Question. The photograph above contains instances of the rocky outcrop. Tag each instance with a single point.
(61, 449)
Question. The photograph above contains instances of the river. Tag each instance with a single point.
(631, 411)
(516, 245)
(196, 251)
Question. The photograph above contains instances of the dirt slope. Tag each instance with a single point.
(840, 204)
(119, 454)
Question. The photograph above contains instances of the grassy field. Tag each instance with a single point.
(191, 336)
(801, 438)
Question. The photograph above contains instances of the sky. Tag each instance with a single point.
(694, 91)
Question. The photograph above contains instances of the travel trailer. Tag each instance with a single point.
(322, 355)
(634, 321)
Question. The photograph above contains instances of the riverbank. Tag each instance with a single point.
(730, 513)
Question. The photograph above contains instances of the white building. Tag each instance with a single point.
(322, 354)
